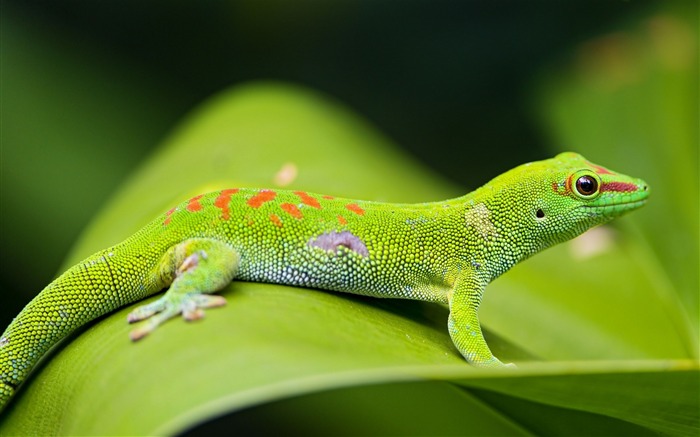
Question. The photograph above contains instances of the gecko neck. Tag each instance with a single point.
(493, 241)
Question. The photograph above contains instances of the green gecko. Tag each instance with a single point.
(445, 252)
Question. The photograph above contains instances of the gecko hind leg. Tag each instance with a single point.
(194, 268)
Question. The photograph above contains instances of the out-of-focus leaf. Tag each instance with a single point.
(659, 396)
(75, 120)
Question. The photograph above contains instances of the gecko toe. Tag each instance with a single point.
(191, 306)
(145, 311)
(138, 333)
(208, 301)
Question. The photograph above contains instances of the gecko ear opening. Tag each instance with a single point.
(539, 213)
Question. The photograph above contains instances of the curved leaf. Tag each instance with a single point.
(274, 342)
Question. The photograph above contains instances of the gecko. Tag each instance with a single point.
(444, 252)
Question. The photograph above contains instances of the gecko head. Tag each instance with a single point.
(560, 198)
(577, 195)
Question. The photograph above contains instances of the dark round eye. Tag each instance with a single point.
(586, 185)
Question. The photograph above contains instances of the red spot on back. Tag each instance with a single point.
(598, 169)
(327, 197)
(354, 207)
(618, 186)
(292, 210)
(260, 198)
(308, 200)
(342, 220)
(193, 205)
(170, 212)
(223, 200)
(274, 218)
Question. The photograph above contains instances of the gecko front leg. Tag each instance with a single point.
(194, 268)
(463, 322)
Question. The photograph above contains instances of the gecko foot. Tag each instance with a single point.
(190, 305)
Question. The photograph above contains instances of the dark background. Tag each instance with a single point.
(88, 88)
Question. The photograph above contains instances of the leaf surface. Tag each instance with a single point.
(290, 349)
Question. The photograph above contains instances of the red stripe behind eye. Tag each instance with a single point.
(624, 187)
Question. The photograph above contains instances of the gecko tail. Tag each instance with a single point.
(83, 293)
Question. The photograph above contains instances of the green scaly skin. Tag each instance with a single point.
(443, 252)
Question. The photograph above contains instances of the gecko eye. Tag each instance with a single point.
(586, 185)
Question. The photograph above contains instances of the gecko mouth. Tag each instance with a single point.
(619, 207)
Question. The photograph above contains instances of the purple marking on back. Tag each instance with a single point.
(330, 241)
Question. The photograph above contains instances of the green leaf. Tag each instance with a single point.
(283, 350)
